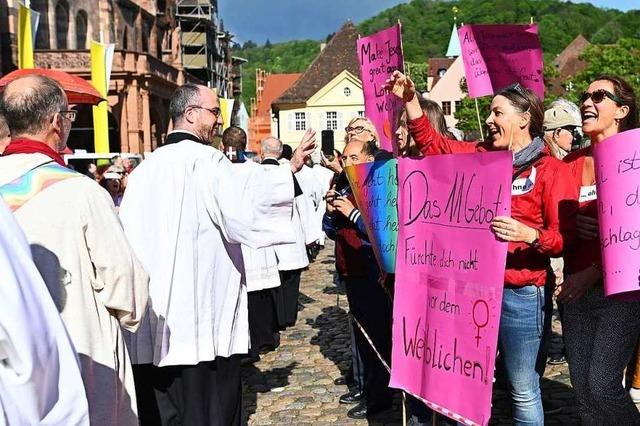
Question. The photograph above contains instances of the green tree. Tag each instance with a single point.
(621, 59)
(418, 73)
(426, 27)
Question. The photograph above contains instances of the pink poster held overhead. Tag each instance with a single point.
(379, 56)
(496, 56)
(449, 280)
(617, 164)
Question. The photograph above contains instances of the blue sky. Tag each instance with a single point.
(281, 20)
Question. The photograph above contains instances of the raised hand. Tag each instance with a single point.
(334, 165)
(305, 149)
(401, 86)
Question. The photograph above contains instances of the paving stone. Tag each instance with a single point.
(294, 384)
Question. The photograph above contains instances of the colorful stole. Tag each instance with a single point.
(22, 189)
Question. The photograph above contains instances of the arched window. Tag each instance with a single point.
(62, 24)
(81, 30)
(42, 33)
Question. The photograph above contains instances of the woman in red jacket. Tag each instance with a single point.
(600, 334)
(543, 207)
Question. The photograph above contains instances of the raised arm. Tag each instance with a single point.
(428, 140)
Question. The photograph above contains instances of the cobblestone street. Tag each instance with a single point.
(294, 384)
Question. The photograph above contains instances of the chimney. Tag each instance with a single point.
(322, 46)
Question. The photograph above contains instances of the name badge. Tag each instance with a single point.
(588, 193)
(523, 185)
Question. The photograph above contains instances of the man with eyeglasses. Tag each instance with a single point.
(186, 212)
(77, 242)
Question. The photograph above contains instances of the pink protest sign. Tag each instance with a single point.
(617, 164)
(380, 55)
(449, 280)
(496, 56)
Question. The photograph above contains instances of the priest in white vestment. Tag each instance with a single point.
(260, 264)
(186, 213)
(40, 380)
(77, 243)
(292, 257)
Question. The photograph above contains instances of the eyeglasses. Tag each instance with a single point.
(597, 96)
(214, 111)
(357, 130)
(69, 115)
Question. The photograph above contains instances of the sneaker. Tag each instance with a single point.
(358, 412)
(635, 395)
(550, 407)
(351, 397)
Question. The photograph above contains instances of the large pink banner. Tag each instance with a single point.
(617, 164)
(449, 280)
(496, 56)
(380, 55)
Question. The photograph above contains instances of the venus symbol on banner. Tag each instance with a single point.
(450, 276)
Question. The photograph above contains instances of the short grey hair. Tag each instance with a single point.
(30, 111)
(4, 128)
(271, 145)
(183, 96)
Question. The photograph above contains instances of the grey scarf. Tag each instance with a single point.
(529, 152)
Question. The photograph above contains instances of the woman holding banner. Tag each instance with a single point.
(600, 333)
(543, 207)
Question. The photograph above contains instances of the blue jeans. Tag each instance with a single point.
(522, 328)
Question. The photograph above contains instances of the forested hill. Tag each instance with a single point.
(427, 27)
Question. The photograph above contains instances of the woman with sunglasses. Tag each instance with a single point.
(600, 334)
(543, 209)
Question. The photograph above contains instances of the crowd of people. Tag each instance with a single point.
(139, 306)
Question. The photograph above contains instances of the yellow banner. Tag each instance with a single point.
(101, 57)
(25, 38)
(226, 107)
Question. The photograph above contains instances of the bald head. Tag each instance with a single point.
(271, 147)
(29, 104)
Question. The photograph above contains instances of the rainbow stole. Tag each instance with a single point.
(22, 189)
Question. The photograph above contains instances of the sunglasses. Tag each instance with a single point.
(516, 87)
(598, 96)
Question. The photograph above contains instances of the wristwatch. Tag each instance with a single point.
(536, 243)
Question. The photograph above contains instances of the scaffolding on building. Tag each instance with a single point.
(204, 45)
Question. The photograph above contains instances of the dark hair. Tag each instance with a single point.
(287, 152)
(183, 96)
(370, 148)
(436, 116)
(31, 110)
(524, 100)
(235, 137)
(625, 92)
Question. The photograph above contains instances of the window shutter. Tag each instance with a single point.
(308, 117)
(323, 121)
(341, 123)
(290, 122)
